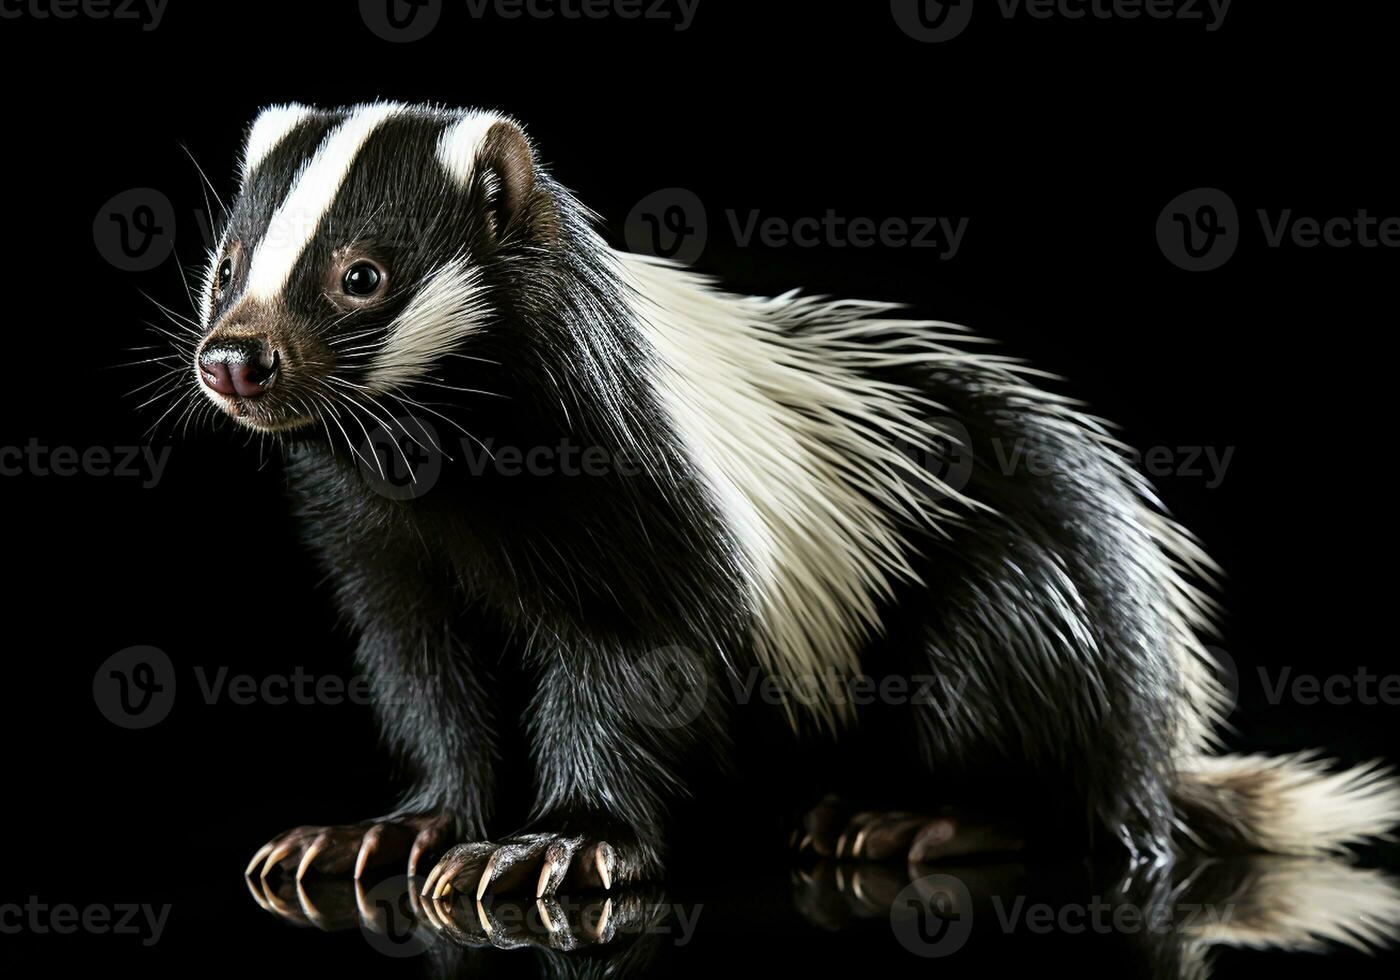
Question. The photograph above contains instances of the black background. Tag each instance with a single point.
(1060, 140)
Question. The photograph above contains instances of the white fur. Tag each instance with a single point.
(1301, 804)
(1301, 905)
(461, 143)
(314, 190)
(812, 465)
(800, 454)
(211, 269)
(769, 423)
(269, 129)
(1191, 615)
(443, 311)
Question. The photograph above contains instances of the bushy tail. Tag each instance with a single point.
(1284, 804)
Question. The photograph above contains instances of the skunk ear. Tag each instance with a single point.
(509, 160)
(491, 156)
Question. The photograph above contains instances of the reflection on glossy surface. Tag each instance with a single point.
(1169, 922)
(399, 922)
(897, 918)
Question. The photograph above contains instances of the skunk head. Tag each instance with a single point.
(365, 257)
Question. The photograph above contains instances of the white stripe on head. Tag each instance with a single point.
(269, 129)
(313, 192)
(447, 308)
(462, 141)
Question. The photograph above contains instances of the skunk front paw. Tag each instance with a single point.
(541, 864)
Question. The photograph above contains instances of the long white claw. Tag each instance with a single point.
(367, 845)
(600, 860)
(278, 853)
(486, 872)
(317, 846)
(546, 870)
(258, 859)
(432, 881)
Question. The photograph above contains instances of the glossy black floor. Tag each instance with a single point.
(960, 921)
(1061, 139)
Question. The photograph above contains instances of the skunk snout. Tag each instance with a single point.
(240, 367)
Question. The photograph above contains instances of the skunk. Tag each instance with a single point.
(800, 486)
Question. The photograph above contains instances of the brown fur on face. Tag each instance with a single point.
(304, 361)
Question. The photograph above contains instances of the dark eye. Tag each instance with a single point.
(362, 279)
(225, 275)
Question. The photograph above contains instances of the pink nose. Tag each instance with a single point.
(240, 368)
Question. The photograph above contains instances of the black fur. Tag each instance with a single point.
(1038, 613)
